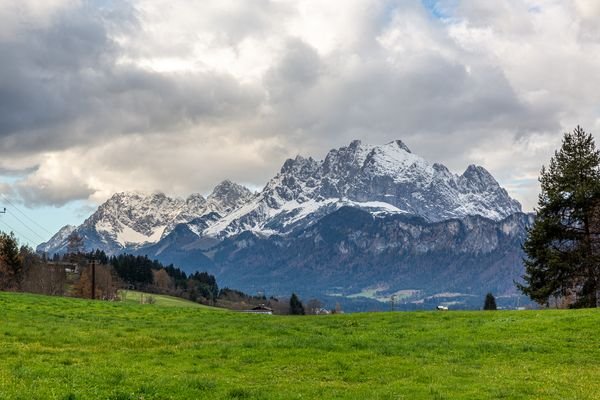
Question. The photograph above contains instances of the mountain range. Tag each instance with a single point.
(366, 221)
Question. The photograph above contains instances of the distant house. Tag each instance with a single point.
(68, 266)
(442, 308)
(260, 309)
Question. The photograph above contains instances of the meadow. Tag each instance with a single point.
(63, 348)
(160, 300)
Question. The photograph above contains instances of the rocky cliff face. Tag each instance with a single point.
(350, 250)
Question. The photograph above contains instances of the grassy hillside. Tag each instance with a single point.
(58, 348)
(135, 297)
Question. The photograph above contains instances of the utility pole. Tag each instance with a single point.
(3, 211)
(392, 301)
(93, 264)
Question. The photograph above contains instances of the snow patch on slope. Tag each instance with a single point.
(257, 216)
(394, 161)
(129, 236)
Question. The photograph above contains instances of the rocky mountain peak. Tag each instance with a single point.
(229, 195)
(386, 178)
(195, 198)
(478, 178)
(401, 145)
(58, 241)
(347, 161)
(301, 167)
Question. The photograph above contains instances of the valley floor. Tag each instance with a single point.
(60, 348)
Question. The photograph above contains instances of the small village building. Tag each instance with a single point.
(260, 309)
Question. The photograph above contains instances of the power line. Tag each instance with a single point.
(17, 232)
(25, 215)
(27, 226)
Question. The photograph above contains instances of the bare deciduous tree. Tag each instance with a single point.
(45, 279)
(162, 280)
(106, 283)
(314, 306)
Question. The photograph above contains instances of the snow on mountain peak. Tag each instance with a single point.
(395, 160)
(133, 219)
(58, 240)
(361, 174)
(228, 195)
(478, 178)
(381, 179)
(403, 146)
(195, 198)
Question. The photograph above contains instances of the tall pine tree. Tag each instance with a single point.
(296, 307)
(562, 246)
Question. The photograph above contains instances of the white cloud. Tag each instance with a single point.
(59, 179)
(31, 13)
(180, 95)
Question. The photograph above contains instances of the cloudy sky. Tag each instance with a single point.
(102, 96)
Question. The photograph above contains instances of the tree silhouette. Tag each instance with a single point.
(296, 307)
(490, 302)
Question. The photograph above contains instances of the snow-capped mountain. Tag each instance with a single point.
(364, 215)
(58, 242)
(131, 220)
(381, 179)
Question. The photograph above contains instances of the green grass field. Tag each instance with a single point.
(60, 348)
(132, 296)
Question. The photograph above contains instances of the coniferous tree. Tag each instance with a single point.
(11, 265)
(296, 307)
(563, 245)
(490, 302)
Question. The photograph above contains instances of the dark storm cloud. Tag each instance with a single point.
(43, 68)
(425, 94)
(63, 85)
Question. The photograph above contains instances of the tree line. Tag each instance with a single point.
(21, 269)
(142, 273)
(70, 274)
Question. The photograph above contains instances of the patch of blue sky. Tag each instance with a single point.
(435, 8)
(9, 179)
(389, 10)
(523, 181)
(33, 226)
